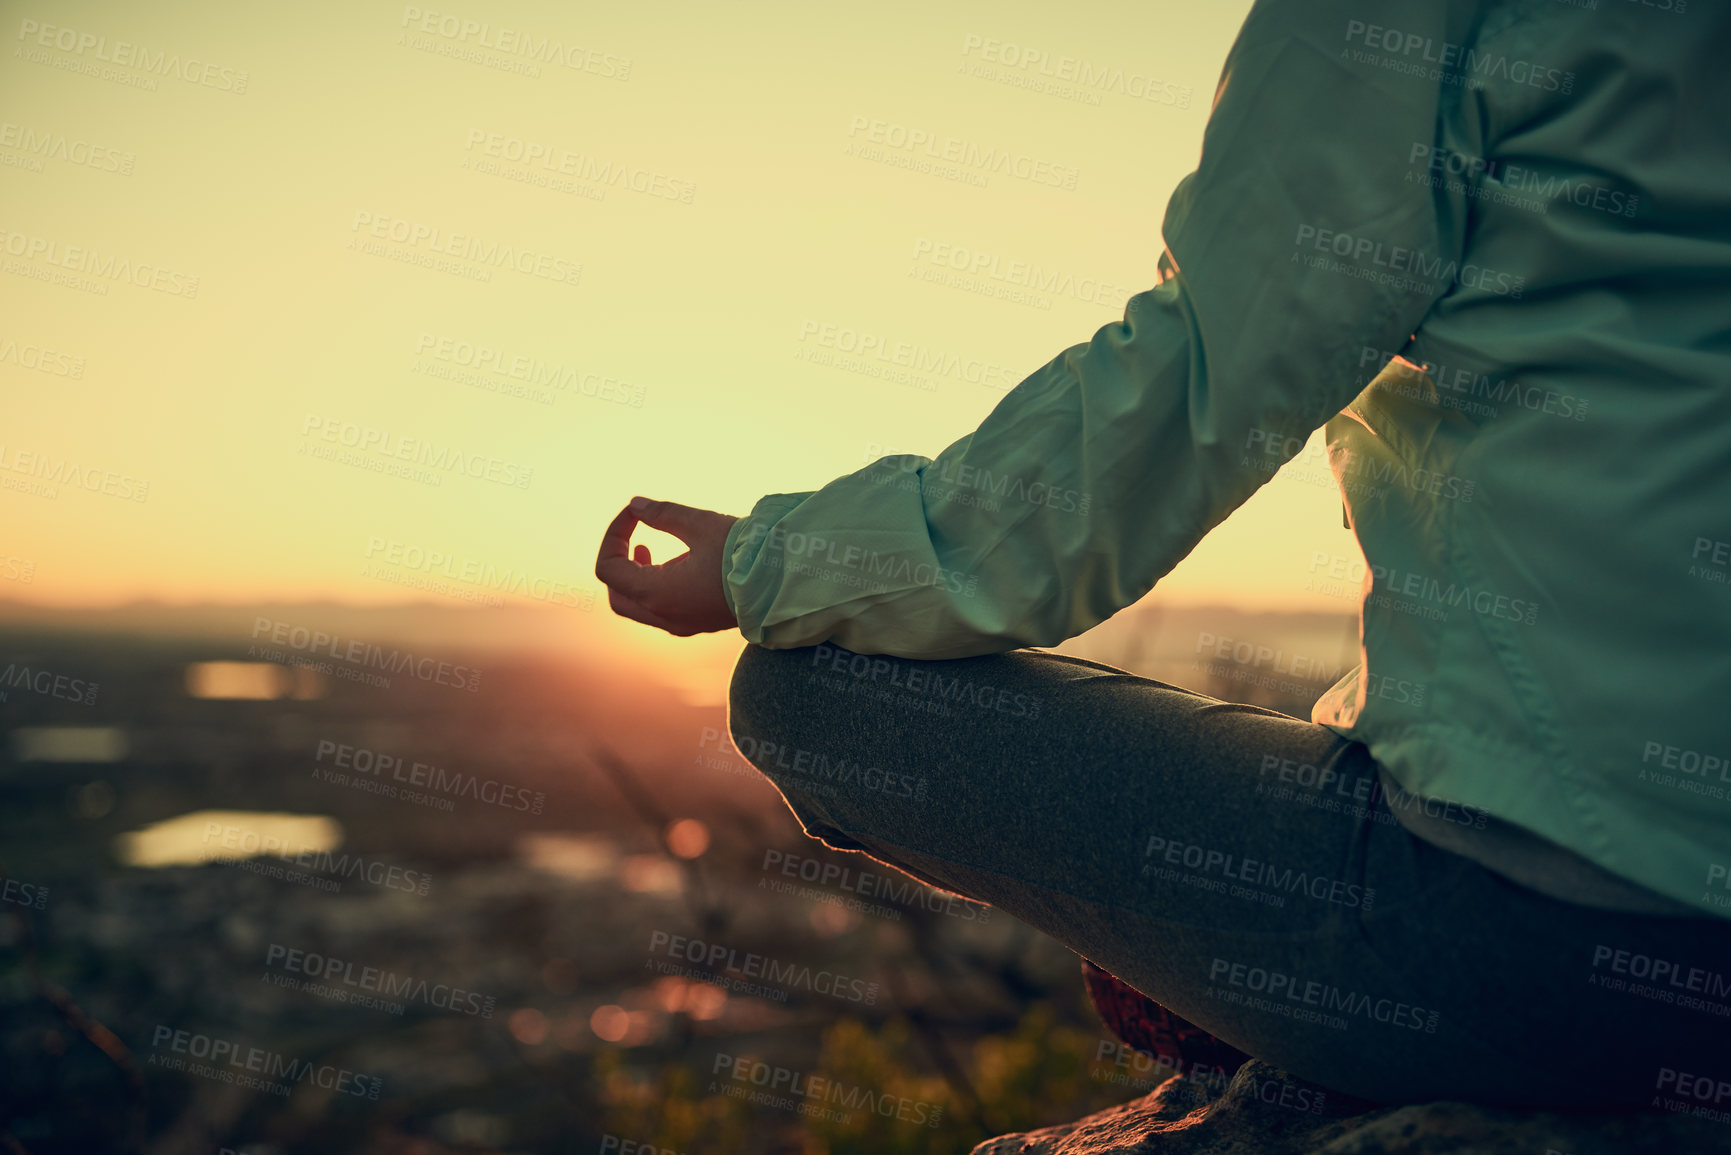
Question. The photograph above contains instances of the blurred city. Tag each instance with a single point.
(295, 879)
(310, 842)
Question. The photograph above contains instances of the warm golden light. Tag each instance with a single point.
(220, 835)
(528, 1026)
(688, 838)
(259, 681)
(610, 1023)
(363, 401)
(830, 919)
(69, 743)
(650, 874)
(577, 857)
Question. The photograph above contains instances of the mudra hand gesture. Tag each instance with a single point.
(682, 596)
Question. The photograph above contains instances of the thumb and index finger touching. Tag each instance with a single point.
(614, 566)
(667, 516)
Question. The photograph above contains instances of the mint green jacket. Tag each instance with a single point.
(1487, 245)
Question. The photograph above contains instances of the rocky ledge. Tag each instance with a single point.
(1263, 1111)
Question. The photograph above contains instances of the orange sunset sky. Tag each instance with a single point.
(236, 239)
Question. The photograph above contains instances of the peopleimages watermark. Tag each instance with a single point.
(1143, 1070)
(38, 145)
(525, 47)
(923, 678)
(973, 485)
(831, 561)
(518, 374)
(1415, 54)
(31, 895)
(1409, 270)
(396, 776)
(1465, 389)
(327, 869)
(17, 569)
(722, 756)
(1066, 77)
(1262, 882)
(67, 262)
(1326, 788)
(35, 680)
(1303, 1000)
(29, 355)
(754, 971)
(1692, 771)
(1710, 561)
(582, 167)
(47, 473)
(1410, 592)
(252, 1067)
(876, 355)
(1673, 7)
(867, 354)
(1718, 874)
(825, 773)
(1661, 980)
(1269, 667)
(1461, 173)
(340, 980)
(1320, 779)
(993, 275)
(123, 54)
(612, 1144)
(1694, 1092)
(306, 642)
(1337, 575)
(901, 889)
(447, 252)
(1343, 576)
(1361, 476)
(813, 1096)
(388, 558)
(388, 452)
(953, 158)
(1407, 592)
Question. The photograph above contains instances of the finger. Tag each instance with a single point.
(627, 607)
(642, 555)
(682, 521)
(627, 577)
(616, 538)
(613, 564)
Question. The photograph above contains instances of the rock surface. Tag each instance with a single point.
(1263, 1111)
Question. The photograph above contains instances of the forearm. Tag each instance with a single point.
(1155, 430)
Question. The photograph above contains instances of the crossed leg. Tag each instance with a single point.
(1234, 863)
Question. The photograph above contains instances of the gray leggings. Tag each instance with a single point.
(1239, 866)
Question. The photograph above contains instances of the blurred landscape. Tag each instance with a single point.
(505, 841)
(303, 296)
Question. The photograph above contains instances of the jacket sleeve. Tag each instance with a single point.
(1303, 238)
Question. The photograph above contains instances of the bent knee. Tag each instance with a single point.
(770, 719)
(762, 699)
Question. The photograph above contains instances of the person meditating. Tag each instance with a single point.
(1495, 863)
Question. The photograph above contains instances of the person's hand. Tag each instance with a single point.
(682, 596)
